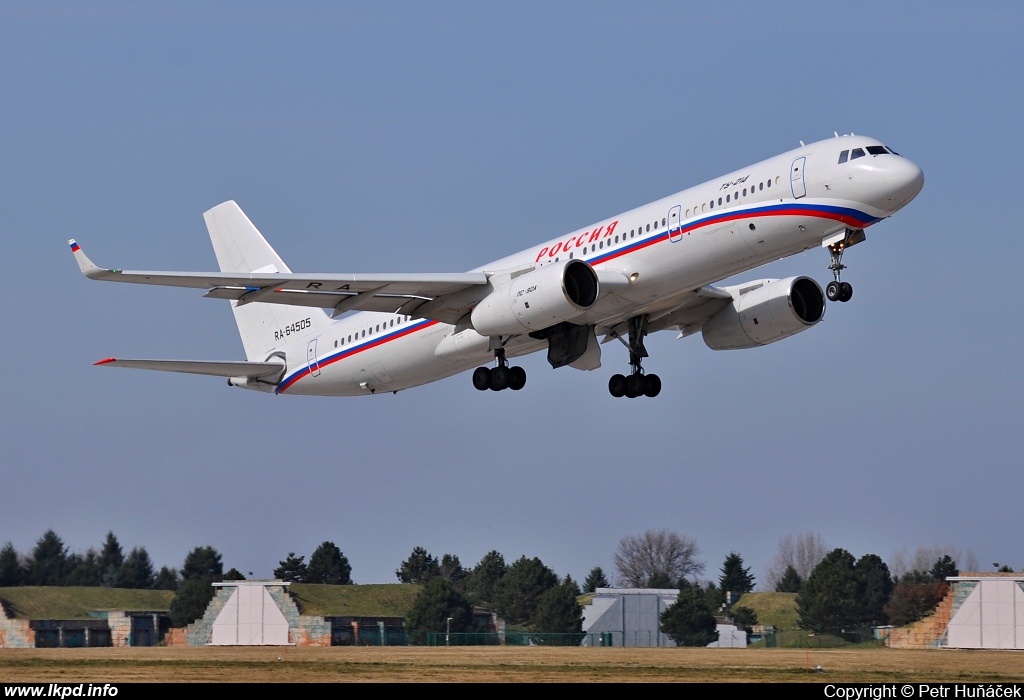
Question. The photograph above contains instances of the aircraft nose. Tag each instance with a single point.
(904, 180)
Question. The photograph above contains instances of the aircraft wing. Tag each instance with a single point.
(251, 370)
(392, 293)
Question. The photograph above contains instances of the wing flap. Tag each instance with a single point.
(251, 370)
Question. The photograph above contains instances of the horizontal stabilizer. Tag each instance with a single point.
(251, 370)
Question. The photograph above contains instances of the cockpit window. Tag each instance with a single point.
(844, 156)
(857, 153)
(893, 152)
(877, 150)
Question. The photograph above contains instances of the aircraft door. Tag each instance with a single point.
(675, 226)
(311, 361)
(797, 177)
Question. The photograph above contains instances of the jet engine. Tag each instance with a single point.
(773, 311)
(537, 300)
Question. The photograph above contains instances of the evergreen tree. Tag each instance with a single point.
(450, 569)
(558, 610)
(329, 565)
(49, 564)
(874, 584)
(659, 579)
(484, 578)
(233, 574)
(202, 563)
(518, 594)
(420, 567)
(573, 586)
(829, 600)
(944, 568)
(438, 601)
(734, 578)
(744, 617)
(85, 570)
(137, 570)
(110, 560)
(595, 579)
(292, 569)
(11, 573)
(689, 621)
(191, 600)
(713, 595)
(166, 579)
(790, 581)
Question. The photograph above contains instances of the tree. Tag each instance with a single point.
(689, 621)
(734, 578)
(595, 579)
(83, 569)
(329, 565)
(11, 573)
(450, 569)
(420, 567)
(558, 610)
(437, 602)
(232, 574)
(790, 581)
(744, 617)
(829, 599)
(49, 563)
(802, 553)
(137, 570)
(191, 600)
(292, 569)
(110, 561)
(518, 594)
(166, 579)
(944, 568)
(915, 596)
(484, 577)
(659, 579)
(202, 563)
(640, 559)
(874, 589)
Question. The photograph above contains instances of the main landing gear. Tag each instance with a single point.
(501, 376)
(637, 383)
(836, 290)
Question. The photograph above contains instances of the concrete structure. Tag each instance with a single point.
(981, 611)
(987, 613)
(103, 628)
(250, 616)
(631, 617)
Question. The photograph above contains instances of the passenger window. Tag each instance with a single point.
(703, 207)
(335, 343)
(719, 201)
(570, 256)
(728, 197)
(350, 339)
(601, 245)
(857, 153)
(712, 204)
(648, 227)
(844, 156)
(664, 222)
(761, 186)
(744, 191)
(769, 183)
(616, 239)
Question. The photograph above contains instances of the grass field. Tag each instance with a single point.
(512, 664)
(75, 602)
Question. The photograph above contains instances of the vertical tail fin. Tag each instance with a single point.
(240, 247)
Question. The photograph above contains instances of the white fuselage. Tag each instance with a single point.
(667, 249)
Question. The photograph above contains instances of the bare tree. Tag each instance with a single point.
(661, 557)
(925, 557)
(803, 554)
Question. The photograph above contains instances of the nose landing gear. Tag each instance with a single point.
(637, 383)
(837, 290)
(501, 376)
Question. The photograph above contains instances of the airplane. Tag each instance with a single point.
(646, 270)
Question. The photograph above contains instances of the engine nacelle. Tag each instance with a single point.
(538, 299)
(776, 310)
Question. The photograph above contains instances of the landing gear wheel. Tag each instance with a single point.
(617, 386)
(834, 292)
(845, 291)
(635, 385)
(652, 385)
(518, 379)
(501, 378)
(482, 378)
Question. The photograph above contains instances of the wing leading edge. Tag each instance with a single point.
(392, 293)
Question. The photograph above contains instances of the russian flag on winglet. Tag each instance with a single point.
(74, 247)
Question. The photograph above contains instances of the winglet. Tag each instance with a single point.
(85, 264)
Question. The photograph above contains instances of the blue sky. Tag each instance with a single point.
(405, 137)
